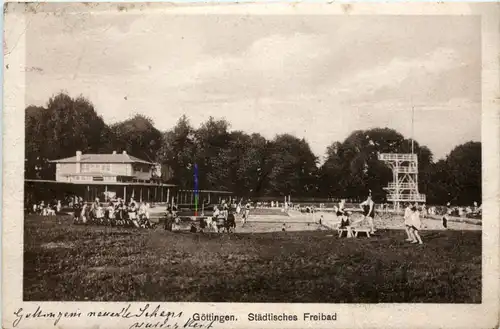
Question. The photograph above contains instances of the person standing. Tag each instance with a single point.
(84, 213)
(110, 214)
(424, 211)
(247, 212)
(408, 222)
(368, 207)
(225, 209)
(446, 215)
(238, 208)
(169, 217)
(415, 225)
(341, 209)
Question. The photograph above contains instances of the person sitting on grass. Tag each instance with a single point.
(415, 225)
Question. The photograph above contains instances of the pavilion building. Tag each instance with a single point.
(106, 176)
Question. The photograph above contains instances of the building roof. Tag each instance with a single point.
(103, 158)
(93, 173)
(46, 181)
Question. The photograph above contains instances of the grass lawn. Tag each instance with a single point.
(64, 262)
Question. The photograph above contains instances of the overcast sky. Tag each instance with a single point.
(318, 77)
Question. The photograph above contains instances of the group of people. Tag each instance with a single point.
(368, 209)
(49, 209)
(222, 219)
(412, 217)
(113, 213)
(224, 215)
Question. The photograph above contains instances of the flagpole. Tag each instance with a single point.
(412, 126)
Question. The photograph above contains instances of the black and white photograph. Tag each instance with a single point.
(251, 158)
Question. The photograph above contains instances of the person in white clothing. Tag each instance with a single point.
(415, 225)
(83, 213)
(408, 222)
(247, 212)
(216, 212)
(147, 207)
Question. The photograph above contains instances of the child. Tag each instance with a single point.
(415, 225)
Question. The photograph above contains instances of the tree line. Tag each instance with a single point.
(247, 164)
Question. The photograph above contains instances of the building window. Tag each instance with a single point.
(97, 179)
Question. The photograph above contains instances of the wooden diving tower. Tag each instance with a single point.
(404, 186)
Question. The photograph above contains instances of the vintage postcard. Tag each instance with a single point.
(251, 165)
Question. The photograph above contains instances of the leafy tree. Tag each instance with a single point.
(248, 165)
(248, 155)
(178, 151)
(59, 130)
(213, 156)
(293, 167)
(354, 167)
(36, 162)
(138, 136)
(464, 168)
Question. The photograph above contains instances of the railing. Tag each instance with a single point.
(406, 197)
(403, 186)
(407, 170)
(397, 157)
